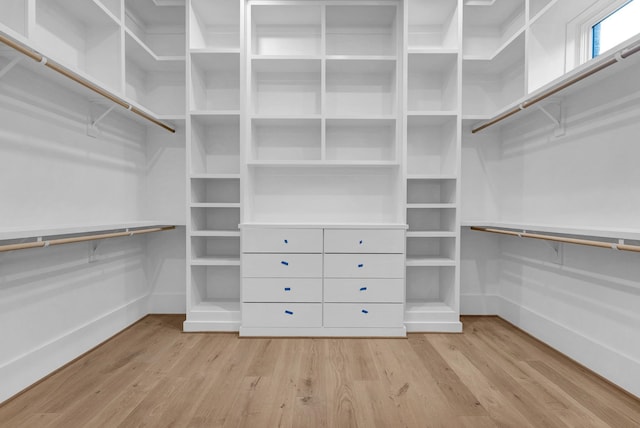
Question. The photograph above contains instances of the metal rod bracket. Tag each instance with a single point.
(92, 125)
(557, 120)
(9, 66)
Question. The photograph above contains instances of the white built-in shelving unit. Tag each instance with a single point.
(213, 83)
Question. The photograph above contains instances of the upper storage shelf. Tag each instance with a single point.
(291, 30)
(362, 30)
(161, 28)
(215, 81)
(433, 82)
(433, 25)
(14, 16)
(489, 26)
(214, 25)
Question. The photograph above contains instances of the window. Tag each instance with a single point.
(615, 28)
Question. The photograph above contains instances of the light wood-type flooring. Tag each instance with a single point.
(154, 375)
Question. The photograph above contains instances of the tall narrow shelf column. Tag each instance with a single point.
(213, 165)
(433, 122)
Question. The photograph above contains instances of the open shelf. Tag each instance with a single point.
(429, 191)
(215, 288)
(215, 144)
(14, 16)
(286, 86)
(215, 81)
(361, 30)
(287, 30)
(429, 251)
(489, 85)
(431, 145)
(332, 194)
(433, 24)
(215, 251)
(82, 36)
(431, 219)
(361, 140)
(361, 88)
(160, 27)
(286, 139)
(214, 24)
(489, 26)
(210, 219)
(433, 82)
(211, 191)
(430, 288)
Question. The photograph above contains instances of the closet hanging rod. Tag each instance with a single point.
(591, 243)
(80, 80)
(614, 58)
(95, 237)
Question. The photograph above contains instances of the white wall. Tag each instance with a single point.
(585, 303)
(58, 302)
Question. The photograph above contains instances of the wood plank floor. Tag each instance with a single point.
(152, 374)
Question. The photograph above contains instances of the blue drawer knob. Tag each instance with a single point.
(286, 241)
(361, 265)
(288, 312)
(361, 242)
(287, 288)
(363, 289)
(284, 263)
(364, 311)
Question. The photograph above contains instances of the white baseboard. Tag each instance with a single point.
(30, 367)
(168, 303)
(609, 363)
(479, 304)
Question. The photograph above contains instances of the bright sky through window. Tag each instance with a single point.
(616, 28)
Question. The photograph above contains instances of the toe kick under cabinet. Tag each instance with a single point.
(322, 281)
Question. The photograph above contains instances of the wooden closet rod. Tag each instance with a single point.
(69, 74)
(619, 56)
(38, 244)
(591, 243)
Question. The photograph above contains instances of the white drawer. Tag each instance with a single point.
(282, 289)
(282, 314)
(363, 315)
(364, 241)
(364, 265)
(364, 290)
(281, 240)
(282, 265)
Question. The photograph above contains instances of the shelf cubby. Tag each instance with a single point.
(160, 27)
(431, 252)
(488, 26)
(433, 25)
(210, 219)
(424, 191)
(286, 139)
(286, 30)
(431, 145)
(431, 219)
(215, 144)
(14, 16)
(431, 289)
(157, 83)
(284, 87)
(215, 81)
(361, 88)
(490, 85)
(432, 82)
(214, 25)
(361, 139)
(82, 36)
(215, 251)
(361, 30)
(209, 190)
(216, 289)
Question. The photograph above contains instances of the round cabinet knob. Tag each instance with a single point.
(360, 265)
(286, 241)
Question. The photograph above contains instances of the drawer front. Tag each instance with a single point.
(364, 265)
(364, 290)
(282, 290)
(282, 265)
(282, 240)
(363, 315)
(364, 241)
(282, 314)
